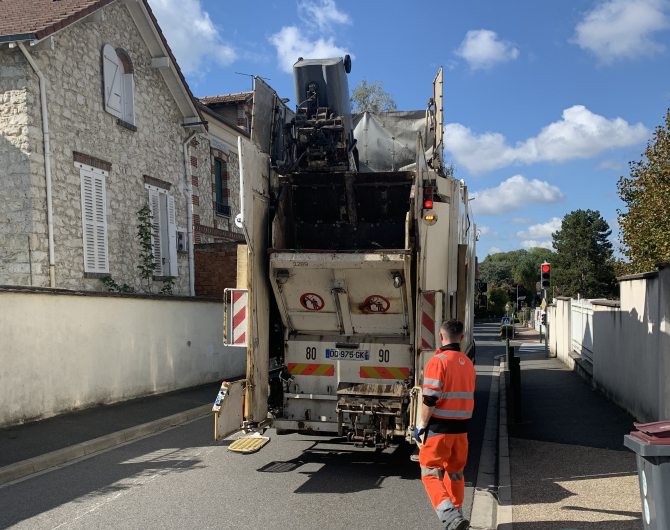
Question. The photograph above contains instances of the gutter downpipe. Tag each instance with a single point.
(47, 163)
(189, 213)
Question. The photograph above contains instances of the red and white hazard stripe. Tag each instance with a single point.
(428, 320)
(240, 317)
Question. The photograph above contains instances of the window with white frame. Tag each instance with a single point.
(94, 219)
(164, 237)
(119, 85)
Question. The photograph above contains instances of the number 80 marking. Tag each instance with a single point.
(310, 354)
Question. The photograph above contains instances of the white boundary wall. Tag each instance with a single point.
(67, 350)
(630, 343)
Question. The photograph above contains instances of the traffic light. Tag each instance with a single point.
(545, 275)
(543, 320)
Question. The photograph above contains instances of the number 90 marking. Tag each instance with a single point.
(384, 356)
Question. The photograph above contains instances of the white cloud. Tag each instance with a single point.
(609, 164)
(534, 244)
(541, 230)
(579, 134)
(194, 40)
(323, 14)
(291, 45)
(494, 250)
(622, 29)
(513, 194)
(485, 231)
(482, 49)
(520, 220)
(293, 42)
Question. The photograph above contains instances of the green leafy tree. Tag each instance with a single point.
(498, 297)
(495, 272)
(645, 232)
(583, 263)
(371, 97)
(527, 270)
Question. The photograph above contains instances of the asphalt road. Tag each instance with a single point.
(182, 479)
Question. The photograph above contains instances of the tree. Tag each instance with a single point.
(527, 270)
(498, 297)
(644, 227)
(371, 97)
(495, 272)
(583, 263)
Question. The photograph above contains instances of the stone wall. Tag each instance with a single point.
(215, 268)
(78, 123)
(214, 227)
(18, 191)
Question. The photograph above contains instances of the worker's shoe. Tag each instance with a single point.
(458, 524)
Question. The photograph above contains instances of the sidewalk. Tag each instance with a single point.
(38, 438)
(569, 468)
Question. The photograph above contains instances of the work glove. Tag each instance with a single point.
(420, 433)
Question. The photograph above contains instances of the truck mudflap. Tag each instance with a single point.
(376, 412)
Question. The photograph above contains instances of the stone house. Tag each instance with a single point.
(217, 201)
(97, 121)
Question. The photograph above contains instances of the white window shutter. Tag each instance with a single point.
(94, 222)
(172, 234)
(101, 251)
(88, 221)
(128, 99)
(112, 78)
(156, 243)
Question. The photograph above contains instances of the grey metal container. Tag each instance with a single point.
(653, 469)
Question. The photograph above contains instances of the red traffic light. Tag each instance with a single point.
(546, 267)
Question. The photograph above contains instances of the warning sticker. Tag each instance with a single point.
(376, 304)
(311, 301)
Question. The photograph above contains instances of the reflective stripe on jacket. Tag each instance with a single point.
(450, 378)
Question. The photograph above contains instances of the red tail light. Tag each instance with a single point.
(428, 204)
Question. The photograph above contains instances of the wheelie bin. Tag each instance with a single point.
(651, 444)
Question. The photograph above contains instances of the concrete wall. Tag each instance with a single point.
(62, 351)
(626, 354)
(631, 344)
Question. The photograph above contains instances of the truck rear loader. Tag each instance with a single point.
(359, 243)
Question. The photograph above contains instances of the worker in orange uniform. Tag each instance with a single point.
(448, 402)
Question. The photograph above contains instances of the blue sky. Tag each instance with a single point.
(545, 102)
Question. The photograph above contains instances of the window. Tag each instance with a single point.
(119, 85)
(220, 184)
(164, 239)
(94, 220)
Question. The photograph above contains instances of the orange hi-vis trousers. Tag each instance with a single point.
(442, 459)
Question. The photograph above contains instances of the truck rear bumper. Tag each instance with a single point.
(316, 426)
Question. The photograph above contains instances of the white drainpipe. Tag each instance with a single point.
(47, 163)
(189, 210)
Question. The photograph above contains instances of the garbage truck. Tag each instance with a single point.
(359, 243)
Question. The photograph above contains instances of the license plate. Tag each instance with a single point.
(348, 355)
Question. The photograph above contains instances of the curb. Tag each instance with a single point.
(62, 456)
(484, 503)
(505, 516)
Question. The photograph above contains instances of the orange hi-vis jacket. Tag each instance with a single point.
(449, 386)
